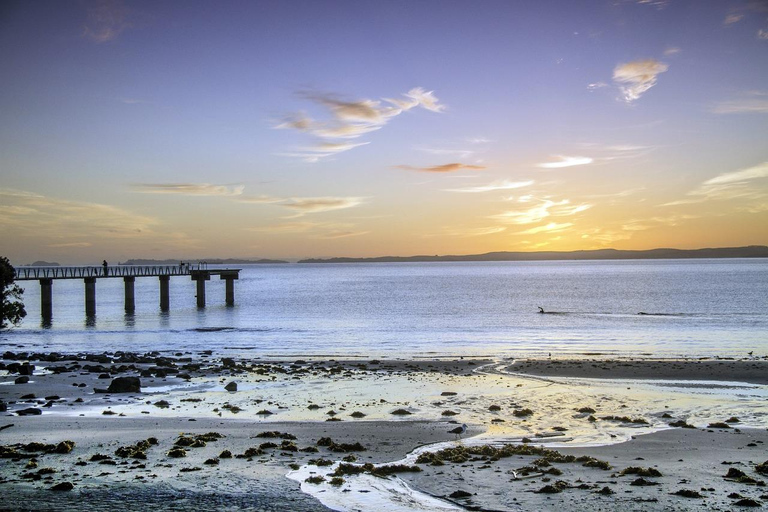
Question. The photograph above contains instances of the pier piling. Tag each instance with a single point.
(46, 300)
(130, 301)
(90, 296)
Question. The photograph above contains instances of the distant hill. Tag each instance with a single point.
(44, 264)
(212, 261)
(752, 251)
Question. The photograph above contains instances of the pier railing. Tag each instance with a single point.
(35, 273)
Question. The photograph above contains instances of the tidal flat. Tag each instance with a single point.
(212, 433)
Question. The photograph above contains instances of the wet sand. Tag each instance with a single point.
(753, 370)
(324, 394)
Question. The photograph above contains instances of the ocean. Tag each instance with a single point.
(651, 308)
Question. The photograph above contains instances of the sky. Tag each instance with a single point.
(293, 129)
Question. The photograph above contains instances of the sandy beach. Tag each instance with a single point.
(187, 442)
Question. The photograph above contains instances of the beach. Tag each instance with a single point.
(382, 412)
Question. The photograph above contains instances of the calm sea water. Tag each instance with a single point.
(694, 308)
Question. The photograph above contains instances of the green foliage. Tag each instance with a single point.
(11, 307)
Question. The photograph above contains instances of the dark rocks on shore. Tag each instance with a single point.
(21, 380)
(688, 493)
(3, 406)
(125, 385)
(232, 386)
(30, 411)
(63, 486)
(459, 494)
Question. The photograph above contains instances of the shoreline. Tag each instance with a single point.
(753, 371)
(391, 408)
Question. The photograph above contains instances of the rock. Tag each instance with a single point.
(125, 385)
(63, 486)
(26, 369)
(232, 386)
(21, 380)
(3, 406)
(748, 502)
(30, 411)
(688, 493)
(460, 494)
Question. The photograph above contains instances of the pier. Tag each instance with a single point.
(200, 273)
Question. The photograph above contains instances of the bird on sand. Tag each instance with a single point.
(459, 430)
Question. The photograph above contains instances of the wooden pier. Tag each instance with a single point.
(200, 273)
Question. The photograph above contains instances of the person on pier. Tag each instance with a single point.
(104, 264)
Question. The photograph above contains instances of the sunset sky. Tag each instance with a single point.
(292, 129)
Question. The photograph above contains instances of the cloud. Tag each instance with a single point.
(333, 235)
(636, 77)
(732, 18)
(731, 185)
(566, 161)
(596, 85)
(262, 199)
(106, 19)
(496, 185)
(321, 230)
(70, 244)
(189, 189)
(758, 171)
(750, 102)
(545, 208)
(458, 153)
(321, 150)
(30, 214)
(304, 205)
(442, 168)
(552, 227)
(672, 50)
(352, 119)
(762, 34)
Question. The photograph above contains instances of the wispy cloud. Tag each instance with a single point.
(452, 167)
(333, 235)
(749, 102)
(762, 34)
(28, 213)
(351, 119)
(672, 50)
(565, 161)
(106, 19)
(729, 186)
(733, 18)
(540, 211)
(316, 230)
(189, 189)
(70, 244)
(496, 185)
(552, 227)
(304, 205)
(636, 77)
(596, 85)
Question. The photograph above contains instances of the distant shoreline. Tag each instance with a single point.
(752, 251)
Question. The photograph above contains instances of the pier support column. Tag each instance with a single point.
(130, 301)
(90, 296)
(201, 278)
(165, 293)
(46, 300)
(229, 280)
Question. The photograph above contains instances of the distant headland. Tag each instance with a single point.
(752, 251)
(212, 261)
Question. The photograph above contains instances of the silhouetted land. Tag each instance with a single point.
(752, 251)
(212, 261)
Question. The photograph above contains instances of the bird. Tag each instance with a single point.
(459, 430)
(513, 473)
